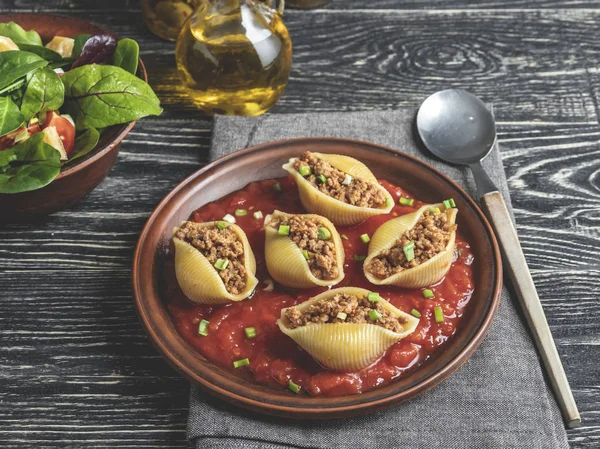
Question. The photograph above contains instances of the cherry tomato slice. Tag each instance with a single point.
(65, 130)
(8, 141)
(34, 128)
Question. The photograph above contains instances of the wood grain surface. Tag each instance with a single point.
(76, 370)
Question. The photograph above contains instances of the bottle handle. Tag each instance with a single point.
(277, 5)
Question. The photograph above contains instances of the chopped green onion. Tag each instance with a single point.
(449, 203)
(435, 210)
(374, 315)
(203, 328)
(305, 254)
(428, 293)
(359, 258)
(293, 387)
(222, 225)
(250, 332)
(258, 215)
(347, 180)
(240, 363)
(407, 201)
(344, 236)
(341, 316)
(365, 238)
(323, 233)
(305, 170)
(439, 315)
(409, 251)
(373, 297)
(221, 264)
(241, 212)
(277, 187)
(284, 230)
(415, 313)
(322, 179)
(388, 202)
(229, 218)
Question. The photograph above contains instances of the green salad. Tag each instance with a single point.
(57, 99)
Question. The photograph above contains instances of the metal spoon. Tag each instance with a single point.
(457, 127)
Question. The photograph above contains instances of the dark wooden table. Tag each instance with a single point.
(76, 369)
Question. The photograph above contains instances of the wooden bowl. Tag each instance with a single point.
(234, 171)
(78, 178)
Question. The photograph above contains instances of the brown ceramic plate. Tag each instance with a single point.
(233, 172)
(78, 178)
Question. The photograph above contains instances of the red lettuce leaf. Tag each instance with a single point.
(98, 49)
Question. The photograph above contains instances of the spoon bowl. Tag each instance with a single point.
(456, 126)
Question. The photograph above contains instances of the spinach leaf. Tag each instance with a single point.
(84, 143)
(19, 35)
(45, 92)
(15, 64)
(80, 41)
(46, 53)
(10, 116)
(102, 95)
(59, 64)
(97, 49)
(126, 55)
(30, 165)
(16, 95)
(14, 86)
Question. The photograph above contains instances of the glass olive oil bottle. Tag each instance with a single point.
(166, 17)
(234, 56)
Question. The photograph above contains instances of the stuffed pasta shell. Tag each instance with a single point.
(338, 187)
(303, 251)
(214, 262)
(346, 329)
(415, 250)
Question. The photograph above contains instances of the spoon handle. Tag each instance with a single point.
(518, 271)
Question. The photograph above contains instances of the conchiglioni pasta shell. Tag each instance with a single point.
(285, 261)
(422, 275)
(346, 347)
(340, 213)
(200, 281)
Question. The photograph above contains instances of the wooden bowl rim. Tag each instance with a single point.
(302, 411)
(123, 130)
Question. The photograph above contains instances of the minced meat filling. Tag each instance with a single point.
(356, 309)
(322, 256)
(217, 244)
(358, 193)
(430, 236)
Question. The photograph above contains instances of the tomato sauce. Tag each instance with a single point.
(275, 359)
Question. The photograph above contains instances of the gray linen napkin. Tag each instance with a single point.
(497, 400)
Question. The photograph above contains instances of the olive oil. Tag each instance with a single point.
(234, 57)
(165, 18)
